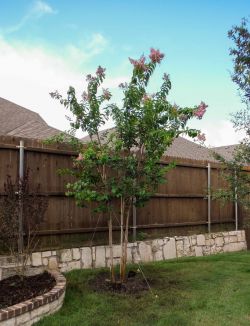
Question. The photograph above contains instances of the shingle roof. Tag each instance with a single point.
(184, 148)
(226, 151)
(16, 120)
(180, 148)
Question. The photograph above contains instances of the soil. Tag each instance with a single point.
(14, 290)
(135, 284)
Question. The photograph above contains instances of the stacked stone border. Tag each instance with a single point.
(66, 260)
(30, 311)
(141, 251)
(144, 251)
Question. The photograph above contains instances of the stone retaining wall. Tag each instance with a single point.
(141, 251)
(29, 312)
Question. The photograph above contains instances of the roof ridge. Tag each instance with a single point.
(23, 108)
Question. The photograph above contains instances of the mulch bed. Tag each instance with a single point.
(14, 290)
(135, 284)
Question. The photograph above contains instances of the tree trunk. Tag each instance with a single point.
(112, 274)
(122, 239)
(125, 245)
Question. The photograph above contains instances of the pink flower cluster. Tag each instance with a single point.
(165, 77)
(139, 64)
(146, 98)
(100, 72)
(85, 96)
(183, 117)
(156, 56)
(201, 137)
(106, 94)
(200, 111)
(80, 157)
(90, 78)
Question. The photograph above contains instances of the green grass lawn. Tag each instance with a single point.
(207, 291)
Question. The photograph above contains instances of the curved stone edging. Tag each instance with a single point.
(30, 311)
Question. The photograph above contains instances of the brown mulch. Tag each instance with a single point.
(14, 290)
(134, 284)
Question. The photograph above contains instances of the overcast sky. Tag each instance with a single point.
(49, 45)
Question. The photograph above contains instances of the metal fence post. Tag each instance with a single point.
(21, 175)
(209, 197)
(236, 203)
(134, 220)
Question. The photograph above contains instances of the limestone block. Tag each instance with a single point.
(63, 267)
(219, 249)
(230, 247)
(206, 250)
(116, 261)
(129, 255)
(75, 264)
(157, 249)
(233, 232)
(45, 261)
(186, 241)
(225, 233)
(215, 235)
(66, 255)
(213, 249)
(86, 257)
(158, 255)
(198, 251)
(100, 257)
(46, 253)
(53, 253)
(219, 241)
(180, 248)
(145, 251)
(207, 236)
(155, 246)
(36, 259)
(193, 240)
(169, 249)
(201, 240)
(76, 253)
(209, 242)
(132, 244)
(233, 238)
(135, 254)
(116, 251)
(241, 236)
(52, 263)
(187, 249)
(159, 242)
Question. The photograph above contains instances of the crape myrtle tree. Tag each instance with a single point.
(123, 167)
(238, 180)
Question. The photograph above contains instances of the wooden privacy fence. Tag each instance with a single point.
(181, 205)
